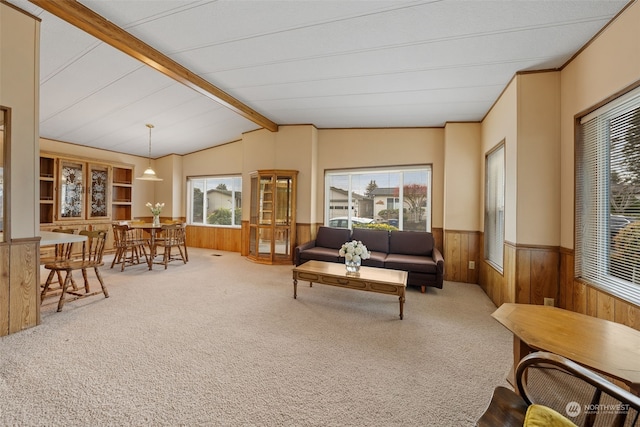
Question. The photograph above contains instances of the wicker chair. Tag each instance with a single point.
(567, 388)
(92, 250)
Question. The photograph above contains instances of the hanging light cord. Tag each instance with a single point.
(150, 126)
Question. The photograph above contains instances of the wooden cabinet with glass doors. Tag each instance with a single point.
(272, 217)
(81, 194)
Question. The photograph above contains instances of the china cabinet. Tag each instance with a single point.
(272, 216)
(79, 190)
(82, 194)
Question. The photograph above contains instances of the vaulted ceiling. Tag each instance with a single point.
(330, 63)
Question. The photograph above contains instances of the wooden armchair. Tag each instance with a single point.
(92, 250)
(565, 394)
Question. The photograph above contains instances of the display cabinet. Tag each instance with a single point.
(272, 222)
(47, 189)
(121, 192)
(78, 190)
(83, 190)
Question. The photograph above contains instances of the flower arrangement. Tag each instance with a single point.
(155, 209)
(354, 251)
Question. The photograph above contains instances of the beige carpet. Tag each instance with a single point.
(221, 341)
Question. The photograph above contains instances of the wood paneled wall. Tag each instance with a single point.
(4, 289)
(530, 274)
(19, 285)
(220, 238)
(537, 274)
(461, 247)
(500, 287)
(580, 297)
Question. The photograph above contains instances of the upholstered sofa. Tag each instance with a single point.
(411, 251)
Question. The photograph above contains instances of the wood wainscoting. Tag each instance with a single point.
(220, 238)
(578, 296)
(19, 285)
(530, 274)
(461, 248)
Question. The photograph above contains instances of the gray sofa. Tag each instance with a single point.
(411, 251)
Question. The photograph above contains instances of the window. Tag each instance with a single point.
(215, 200)
(399, 197)
(494, 207)
(608, 198)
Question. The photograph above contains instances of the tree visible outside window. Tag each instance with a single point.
(215, 201)
(608, 198)
(393, 199)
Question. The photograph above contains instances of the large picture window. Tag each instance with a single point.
(494, 207)
(608, 198)
(215, 200)
(398, 198)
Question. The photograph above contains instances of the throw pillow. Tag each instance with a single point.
(543, 416)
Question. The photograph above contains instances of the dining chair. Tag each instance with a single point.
(61, 252)
(92, 250)
(129, 245)
(172, 237)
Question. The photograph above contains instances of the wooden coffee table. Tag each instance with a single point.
(370, 279)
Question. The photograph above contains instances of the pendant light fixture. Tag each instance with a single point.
(149, 174)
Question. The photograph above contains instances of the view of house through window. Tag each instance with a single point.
(494, 208)
(215, 200)
(608, 197)
(395, 199)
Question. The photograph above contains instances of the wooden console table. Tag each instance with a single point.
(371, 279)
(610, 348)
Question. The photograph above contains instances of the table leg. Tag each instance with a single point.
(401, 306)
(152, 247)
(295, 288)
(520, 350)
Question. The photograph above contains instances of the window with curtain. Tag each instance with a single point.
(494, 207)
(608, 198)
(398, 197)
(215, 200)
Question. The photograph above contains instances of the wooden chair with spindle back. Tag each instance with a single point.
(92, 250)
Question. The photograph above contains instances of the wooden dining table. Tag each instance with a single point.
(153, 230)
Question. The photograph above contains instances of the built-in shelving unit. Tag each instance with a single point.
(83, 194)
(121, 191)
(47, 189)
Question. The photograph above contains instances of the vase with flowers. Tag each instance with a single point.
(155, 210)
(353, 252)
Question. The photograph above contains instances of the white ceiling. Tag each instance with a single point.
(334, 64)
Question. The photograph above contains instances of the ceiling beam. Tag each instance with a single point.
(87, 20)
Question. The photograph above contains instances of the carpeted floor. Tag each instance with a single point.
(220, 341)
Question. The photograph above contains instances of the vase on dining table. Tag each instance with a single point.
(156, 220)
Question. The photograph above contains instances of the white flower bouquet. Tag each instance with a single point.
(155, 209)
(354, 251)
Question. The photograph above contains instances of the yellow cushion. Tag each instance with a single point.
(542, 416)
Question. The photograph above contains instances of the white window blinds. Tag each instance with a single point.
(494, 207)
(608, 198)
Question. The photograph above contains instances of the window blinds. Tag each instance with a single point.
(494, 207)
(608, 198)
